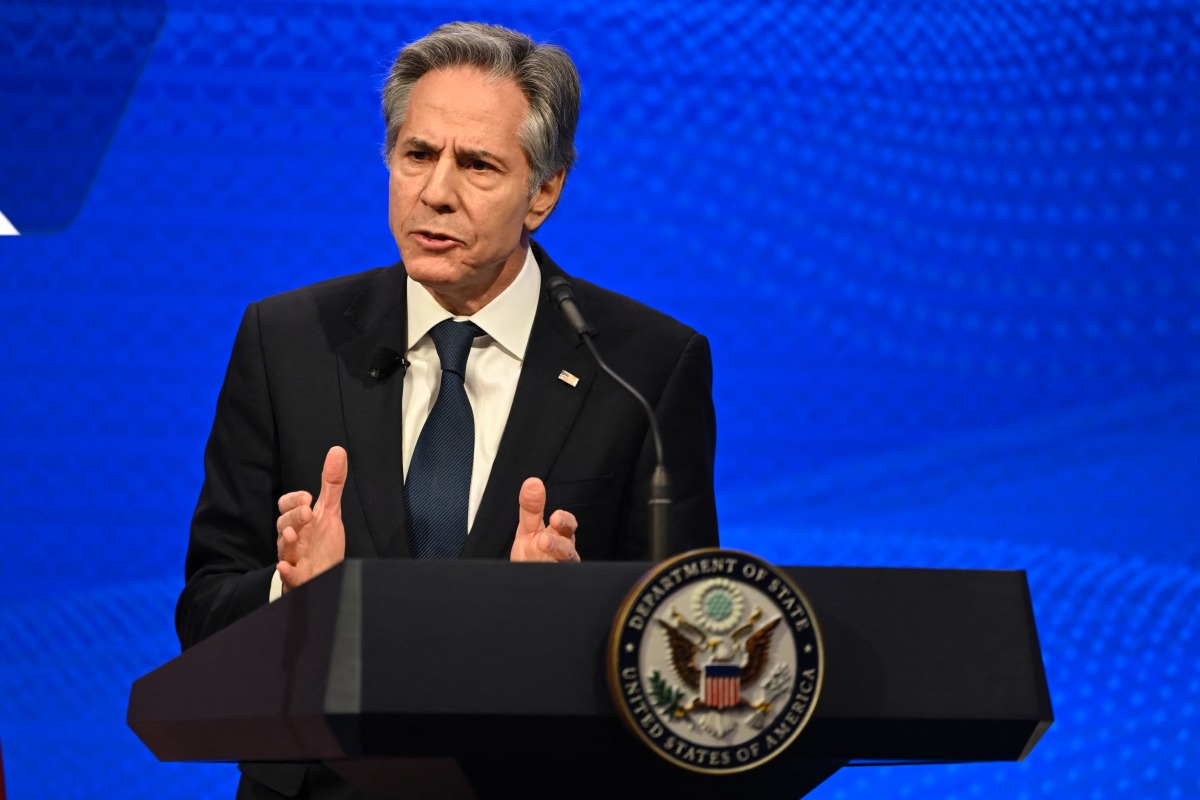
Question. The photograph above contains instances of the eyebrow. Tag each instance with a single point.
(484, 155)
(419, 144)
(468, 154)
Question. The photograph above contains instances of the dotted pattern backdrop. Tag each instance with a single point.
(945, 252)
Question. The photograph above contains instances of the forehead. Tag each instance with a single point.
(466, 105)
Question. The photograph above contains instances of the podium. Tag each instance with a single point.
(478, 679)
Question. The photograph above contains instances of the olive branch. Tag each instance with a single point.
(663, 695)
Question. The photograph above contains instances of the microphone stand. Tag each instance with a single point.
(562, 295)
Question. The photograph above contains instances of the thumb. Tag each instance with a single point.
(532, 501)
(333, 478)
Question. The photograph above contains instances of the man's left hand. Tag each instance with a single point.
(537, 541)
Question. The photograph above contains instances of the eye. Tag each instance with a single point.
(417, 155)
(479, 165)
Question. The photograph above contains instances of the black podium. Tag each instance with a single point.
(479, 679)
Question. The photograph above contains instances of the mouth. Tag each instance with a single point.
(435, 239)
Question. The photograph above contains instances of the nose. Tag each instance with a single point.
(440, 190)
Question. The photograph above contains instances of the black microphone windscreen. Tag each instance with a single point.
(384, 361)
(559, 289)
(562, 295)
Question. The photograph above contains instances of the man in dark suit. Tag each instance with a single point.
(315, 456)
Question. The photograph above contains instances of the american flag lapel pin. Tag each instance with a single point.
(568, 379)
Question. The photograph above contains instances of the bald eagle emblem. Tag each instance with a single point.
(726, 665)
(716, 654)
(716, 660)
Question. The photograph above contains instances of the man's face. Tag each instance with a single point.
(458, 202)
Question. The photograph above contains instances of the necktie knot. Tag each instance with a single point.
(453, 342)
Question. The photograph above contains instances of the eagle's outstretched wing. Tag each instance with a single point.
(683, 655)
(757, 648)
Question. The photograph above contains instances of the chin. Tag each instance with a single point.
(433, 268)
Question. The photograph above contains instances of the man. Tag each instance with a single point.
(315, 456)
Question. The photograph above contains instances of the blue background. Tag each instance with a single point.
(946, 253)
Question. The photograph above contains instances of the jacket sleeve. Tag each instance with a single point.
(231, 550)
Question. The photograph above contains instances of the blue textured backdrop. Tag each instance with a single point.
(970, 230)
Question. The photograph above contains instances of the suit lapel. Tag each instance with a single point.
(373, 411)
(543, 411)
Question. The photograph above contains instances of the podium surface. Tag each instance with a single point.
(427, 661)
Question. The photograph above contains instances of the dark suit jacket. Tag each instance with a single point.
(297, 384)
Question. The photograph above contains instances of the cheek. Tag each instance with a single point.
(394, 212)
(506, 224)
(516, 210)
(393, 197)
(400, 194)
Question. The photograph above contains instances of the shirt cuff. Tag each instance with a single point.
(276, 588)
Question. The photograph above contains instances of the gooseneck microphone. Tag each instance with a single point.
(561, 294)
(385, 361)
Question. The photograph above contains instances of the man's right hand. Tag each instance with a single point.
(535, 540)
(311, 538)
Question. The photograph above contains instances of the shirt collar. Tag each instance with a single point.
(508, 319)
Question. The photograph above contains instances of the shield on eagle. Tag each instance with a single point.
(721, 685)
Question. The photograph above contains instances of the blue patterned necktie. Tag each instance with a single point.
(438, 485)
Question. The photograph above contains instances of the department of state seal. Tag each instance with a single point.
(715, 661)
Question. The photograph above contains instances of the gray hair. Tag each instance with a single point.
(545, 74)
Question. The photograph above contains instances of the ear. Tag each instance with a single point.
(544, 198)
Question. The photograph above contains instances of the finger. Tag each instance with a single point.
(294, 499)
(563, 523)
(296, 518)
(290, 576)
(557, 548)
(287, 547)
(532, 501)
(333, 479)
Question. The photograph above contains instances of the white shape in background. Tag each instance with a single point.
(6, 227)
